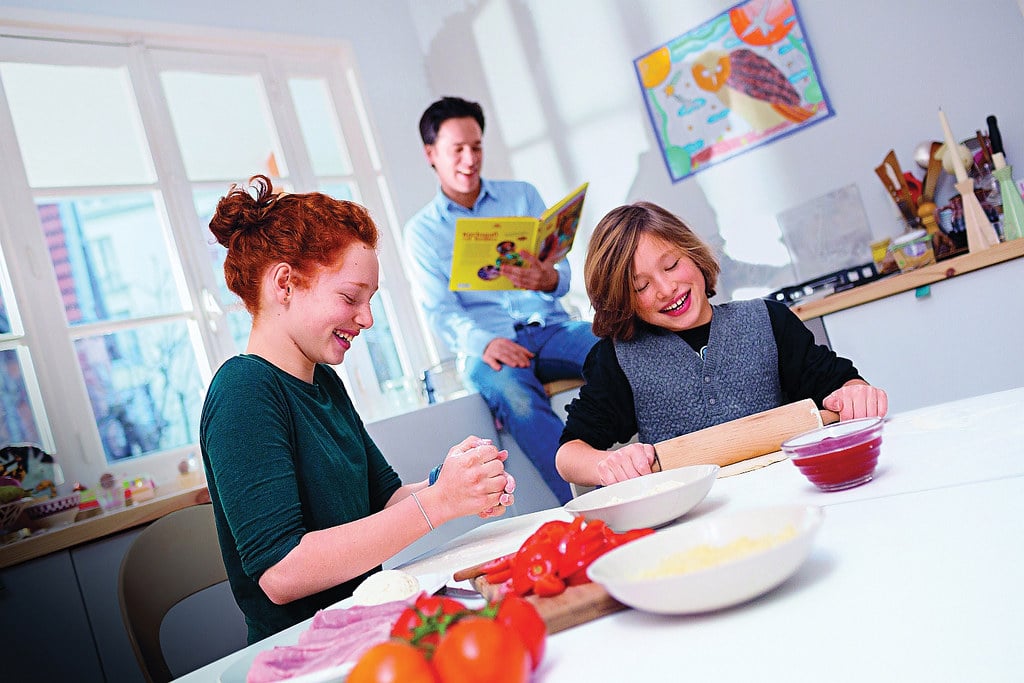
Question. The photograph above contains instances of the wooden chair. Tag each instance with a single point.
(560, 386)
(173, 558)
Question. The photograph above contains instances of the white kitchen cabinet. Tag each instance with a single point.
(956, 338)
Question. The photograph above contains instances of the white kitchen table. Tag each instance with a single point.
(922, 586)
(915, 575)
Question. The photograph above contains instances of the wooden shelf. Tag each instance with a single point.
(107, 524)
(926, 275)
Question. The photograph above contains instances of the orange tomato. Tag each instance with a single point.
(392, 661)
(480, 650)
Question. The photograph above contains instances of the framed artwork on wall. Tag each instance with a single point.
(742, 79)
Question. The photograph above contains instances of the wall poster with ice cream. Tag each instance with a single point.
(739, 80)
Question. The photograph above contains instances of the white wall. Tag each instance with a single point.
(563, 104)
(887, 68)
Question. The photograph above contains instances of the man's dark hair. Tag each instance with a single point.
(444, 109)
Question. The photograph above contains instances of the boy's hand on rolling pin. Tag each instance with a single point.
(856, 399)
(628, 462)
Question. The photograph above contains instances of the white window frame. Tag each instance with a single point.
(63, 411)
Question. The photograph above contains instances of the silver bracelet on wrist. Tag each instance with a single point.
(420, 506)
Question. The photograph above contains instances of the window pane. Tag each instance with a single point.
(111, 257)
(5, 317)
(17, 424)
(144, 387)
(239, 320)
(205, 202)
(386, 363)
(77, 125)
(339, 190)
(240, 324)
(318, 122)
(223, 125)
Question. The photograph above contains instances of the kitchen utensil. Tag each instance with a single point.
(986, 151)
(893, 166)
(980, 233)
(838, 456)
(942, 244)
(914, 187)
(1013, 205)
(892, 178)
(923, 154)
(741, 439)
(948, 162)
(931, 175)
(996, 138)
(711, 563)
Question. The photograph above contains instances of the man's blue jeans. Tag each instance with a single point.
(516, 395)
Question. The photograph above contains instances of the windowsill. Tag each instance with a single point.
(170, 497)
(43, 542)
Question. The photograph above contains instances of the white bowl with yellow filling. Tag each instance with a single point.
(712, 562)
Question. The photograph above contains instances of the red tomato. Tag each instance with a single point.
(479, 650)
(406, 624)
(392, 662)
(426, 621)
(522, 618)
(436, 605)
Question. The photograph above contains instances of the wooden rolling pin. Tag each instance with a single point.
(747, 437)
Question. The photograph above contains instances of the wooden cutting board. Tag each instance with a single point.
(577, 605)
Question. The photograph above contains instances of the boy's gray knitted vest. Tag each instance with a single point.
(675, 392)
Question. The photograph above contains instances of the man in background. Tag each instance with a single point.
(513, 341)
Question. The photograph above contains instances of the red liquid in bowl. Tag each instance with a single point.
(844, 468)
(840, 456)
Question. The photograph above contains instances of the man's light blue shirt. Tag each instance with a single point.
(468, 321)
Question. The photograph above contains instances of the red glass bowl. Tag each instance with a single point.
(838, 456)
